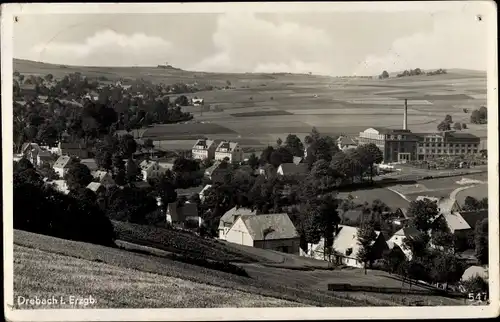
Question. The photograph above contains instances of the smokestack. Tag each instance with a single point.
(405, 117)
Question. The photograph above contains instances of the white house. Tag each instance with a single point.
(346, 247)
(346, 143)
(397, 240)
(104, 177)
(270, 231)
(204, 149)
(227, 220)
(198, 101)
(61, 165)
(59, 185)
(230, 150)
(151, 169)
(96, 187)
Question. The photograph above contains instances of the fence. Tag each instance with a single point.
(391, 290)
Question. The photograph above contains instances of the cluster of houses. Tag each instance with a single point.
(277, 232)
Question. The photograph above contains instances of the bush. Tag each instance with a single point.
(476, 284)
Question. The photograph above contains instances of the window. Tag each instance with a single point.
(463, 150)
(439, 151)
(438, 145)
(432, 145)
(475, 150)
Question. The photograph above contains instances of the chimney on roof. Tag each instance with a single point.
(405, 116)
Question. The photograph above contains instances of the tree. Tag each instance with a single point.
(445, 268)
(294, 145)
(253, 161)
(394, 260)
(444, 126)
(118, 163)
(423, 212)
(265, 156)
(481, 241)
(182, 101)
(448, 119)
(464, 126)
(366, 236)
(49, 77)
(279, 156)
(279, 141)
(471, 204)
(23, 164)
(133, 172)
(370, 155)
(127, 145)
(78, 176)
(384, 75)
(457, 126)
(417, 244)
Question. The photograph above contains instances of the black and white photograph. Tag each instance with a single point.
(219, 161)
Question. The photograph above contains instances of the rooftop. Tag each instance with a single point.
(269, 227)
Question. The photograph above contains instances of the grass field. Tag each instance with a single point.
(45, 265)
(263, 107)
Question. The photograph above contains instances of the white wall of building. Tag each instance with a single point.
(239, 234)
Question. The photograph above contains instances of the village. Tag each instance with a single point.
(268, 204)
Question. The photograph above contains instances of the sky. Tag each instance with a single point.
(324, 43)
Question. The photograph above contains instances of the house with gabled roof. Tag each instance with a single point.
(292, 169)
(204, 149)
(345, 247)
(217, 171)
(105, 178)
(397, 240)
(230, 150)
(96, 187)
(346, 143)
(151, 169)
(61, 165)
(230, 216)
(270, 231)
(74, 149)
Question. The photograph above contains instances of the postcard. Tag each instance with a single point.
(250, 161)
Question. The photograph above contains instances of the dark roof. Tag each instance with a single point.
(180, 214)
(273, 226)
(472, 217)
(292, 168)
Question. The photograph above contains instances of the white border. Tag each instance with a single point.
(486, 8)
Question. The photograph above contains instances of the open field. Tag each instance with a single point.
(75, 267)
(479, 192)
(442, 187)
(263, 107)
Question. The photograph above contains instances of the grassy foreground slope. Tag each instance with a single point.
(48, 265)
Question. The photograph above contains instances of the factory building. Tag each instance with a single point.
(401, 145)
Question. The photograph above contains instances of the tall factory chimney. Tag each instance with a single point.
(405, 116)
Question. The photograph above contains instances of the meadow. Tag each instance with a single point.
(119, 278)
(259, 108)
